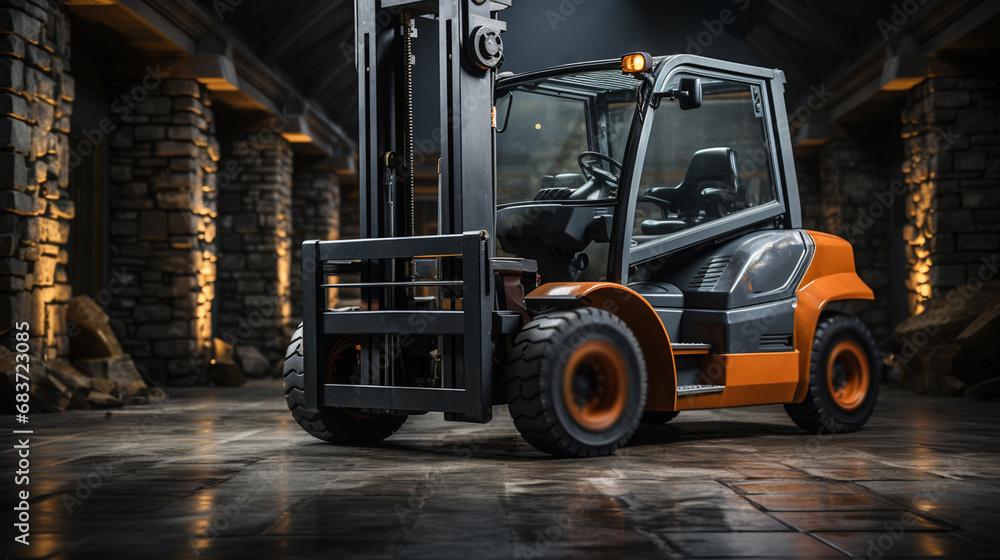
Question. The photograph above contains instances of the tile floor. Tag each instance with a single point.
(225, 473)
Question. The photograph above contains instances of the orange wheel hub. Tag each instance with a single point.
(848, 374)
(595, 385)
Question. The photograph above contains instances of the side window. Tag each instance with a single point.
(619, 123)
(543, 135)
(704, 164)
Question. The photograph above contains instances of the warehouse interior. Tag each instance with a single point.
(164, 161)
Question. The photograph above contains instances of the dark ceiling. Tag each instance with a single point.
(311, 41)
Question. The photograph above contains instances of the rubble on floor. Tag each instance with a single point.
(950, 348)
(223, 369)
(90, 334)
(98, 375)
(252, 362)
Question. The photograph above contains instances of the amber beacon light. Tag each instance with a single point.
(636, 63)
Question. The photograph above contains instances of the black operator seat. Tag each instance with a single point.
(710, 189)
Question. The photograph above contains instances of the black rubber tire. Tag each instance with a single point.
(534, 388)
(331, 424)
(657, 417)
(819, 412)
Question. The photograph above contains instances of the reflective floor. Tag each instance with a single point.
(226, 473)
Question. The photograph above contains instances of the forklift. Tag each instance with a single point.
(617, 242)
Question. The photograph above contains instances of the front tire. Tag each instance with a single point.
(843, 377)
(576, 383)
(335, 425)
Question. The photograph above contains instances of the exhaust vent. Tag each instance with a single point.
(775, 341)
(709, 273)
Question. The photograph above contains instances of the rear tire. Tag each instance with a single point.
(844, 377)
(335, 425)
(576, 383)
(657, 417)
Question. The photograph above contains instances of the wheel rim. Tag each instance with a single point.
(595, 385)
(848, 374)
(339, 367)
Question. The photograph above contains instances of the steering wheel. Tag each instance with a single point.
(588, 161)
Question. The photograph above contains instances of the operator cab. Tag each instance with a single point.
(683, 154)
(560, 143)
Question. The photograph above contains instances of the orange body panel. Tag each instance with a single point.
(624, 303)
(831, 277)
(689, 352)
(761, 378)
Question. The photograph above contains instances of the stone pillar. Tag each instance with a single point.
(162, 173)
(315, 215)
(952, 171)
(255, 242)
(36, 95)
(857, 205)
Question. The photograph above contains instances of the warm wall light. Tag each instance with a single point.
(921, 217)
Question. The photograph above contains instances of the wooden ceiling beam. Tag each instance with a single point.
(303, 24)
(815, 27)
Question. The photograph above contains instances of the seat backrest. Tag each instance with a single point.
(712, 168)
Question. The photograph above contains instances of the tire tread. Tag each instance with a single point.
(527, 397)
(330, 425)
(815, 414)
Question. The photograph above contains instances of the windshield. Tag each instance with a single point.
(563, 138)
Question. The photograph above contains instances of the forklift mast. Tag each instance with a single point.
(417, 352)
(469, 51)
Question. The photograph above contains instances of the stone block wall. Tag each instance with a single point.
(36, 98)
(255, 242)
(856, 204)
(315, 215)
(163, 160)
(810, 193)
(951, 134)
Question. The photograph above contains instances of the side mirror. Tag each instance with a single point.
(503, 111)
(688, 95)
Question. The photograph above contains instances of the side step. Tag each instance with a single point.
(690, 348)
(690, 390)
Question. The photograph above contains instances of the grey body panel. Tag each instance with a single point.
(766, 327)
(659, 294)
(688, 369)
(671, 319)
(755, 268)
(667, 300)
(738, 296)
